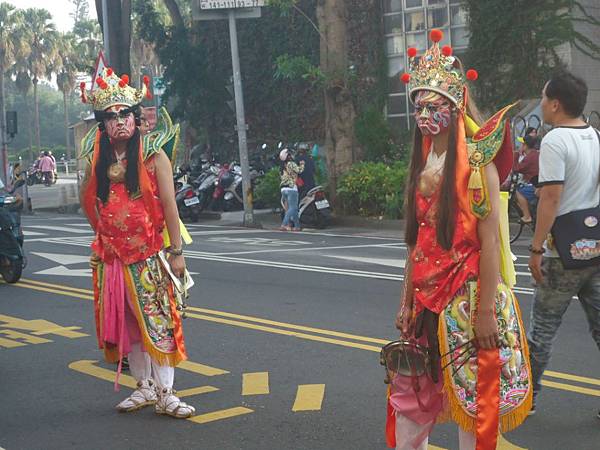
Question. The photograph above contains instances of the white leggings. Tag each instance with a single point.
(407, 431)
(143, 367)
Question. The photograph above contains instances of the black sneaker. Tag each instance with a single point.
(533, 405)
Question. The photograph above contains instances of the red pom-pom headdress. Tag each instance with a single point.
(112, 90)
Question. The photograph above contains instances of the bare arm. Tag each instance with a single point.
(166, 192)
(486, 328)
(546, 214)
(404, 316)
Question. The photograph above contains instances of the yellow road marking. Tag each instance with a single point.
(196, 391)
(569, 387)
(220, 415)
(56, 290)
(29, 339)
(89, 368)
(566, 376)
(62, 286)
(309, 397)
(503, 444)
(288, 325)
(256, 383)
(202, 369)
(53, 291)
(284, 332)
(40, 327)
(68, 332)
(8, 343)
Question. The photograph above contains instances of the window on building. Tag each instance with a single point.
(397, 104)
(394, 45)
(395, 71)
(436, 2)
(417, 40)
(460, 37)
(414, 21)
(398, 123)
(437, 18)
(413, 3)
(393, 24)
(392, 6)
(458, 15)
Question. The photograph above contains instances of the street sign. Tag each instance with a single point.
(223, 14)
(230, 4)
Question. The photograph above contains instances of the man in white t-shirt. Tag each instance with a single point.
(569, 181)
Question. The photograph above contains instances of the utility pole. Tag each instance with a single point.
(241, 121)
(105, 32)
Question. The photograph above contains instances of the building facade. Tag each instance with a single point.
(407, 24)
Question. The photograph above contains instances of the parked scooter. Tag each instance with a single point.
(315, 210)
(12, 257)
(186, 196)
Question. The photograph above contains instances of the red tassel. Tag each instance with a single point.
(125, 78)
(405, 78)
(447, 50)
(412, 52)
(109, 72)
(99, 81)
(122, 83)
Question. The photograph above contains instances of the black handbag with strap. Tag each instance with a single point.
(576, 236)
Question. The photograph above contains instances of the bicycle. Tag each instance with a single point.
(516, 225)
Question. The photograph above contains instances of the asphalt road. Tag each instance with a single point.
(283, 336)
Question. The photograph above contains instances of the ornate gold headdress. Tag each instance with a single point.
(112, 90)
(438, 71)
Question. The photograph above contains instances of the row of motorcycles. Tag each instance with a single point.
(208, 185)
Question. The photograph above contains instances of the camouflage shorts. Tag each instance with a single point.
(550, 302)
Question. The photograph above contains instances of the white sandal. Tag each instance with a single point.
(144, 395)
(168, 403)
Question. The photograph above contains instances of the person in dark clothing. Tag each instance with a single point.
(308, 175)
(528, 167)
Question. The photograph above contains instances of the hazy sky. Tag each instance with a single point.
(60, 10)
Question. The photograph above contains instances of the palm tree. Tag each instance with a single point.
(11, 48)
(66, 73)
(42, 38)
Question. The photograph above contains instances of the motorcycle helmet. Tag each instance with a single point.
(226, 180)
(283, 154)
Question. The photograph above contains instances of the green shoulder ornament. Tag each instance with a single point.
(492, 143)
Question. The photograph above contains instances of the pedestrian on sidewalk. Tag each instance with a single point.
(458, 317)
(47, 167)
(569, 181)
(289, 190)
(129, 200)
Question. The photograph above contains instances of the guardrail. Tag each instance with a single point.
(520, 123)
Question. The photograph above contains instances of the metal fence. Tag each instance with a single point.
(520, 123)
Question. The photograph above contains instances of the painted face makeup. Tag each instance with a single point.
(119, 128)
(432, 112)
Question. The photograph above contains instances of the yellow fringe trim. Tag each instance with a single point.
(456, 411)
(164, 359)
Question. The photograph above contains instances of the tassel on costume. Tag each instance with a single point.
(475, 180)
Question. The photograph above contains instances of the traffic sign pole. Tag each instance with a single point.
(241, 122)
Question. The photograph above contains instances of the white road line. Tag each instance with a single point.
(57, 228)
(277, 250)
(33, 233)
(212, 232)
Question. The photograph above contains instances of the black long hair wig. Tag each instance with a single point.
(446, 217)
(107, 157)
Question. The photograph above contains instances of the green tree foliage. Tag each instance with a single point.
(515, 44)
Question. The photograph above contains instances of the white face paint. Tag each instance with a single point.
(432, 112)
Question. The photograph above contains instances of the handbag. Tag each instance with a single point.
(576, 237)
(299, 182)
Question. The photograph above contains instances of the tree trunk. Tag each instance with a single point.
(340, 113)
(67, 134)
(36, 115)
(119, 35)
